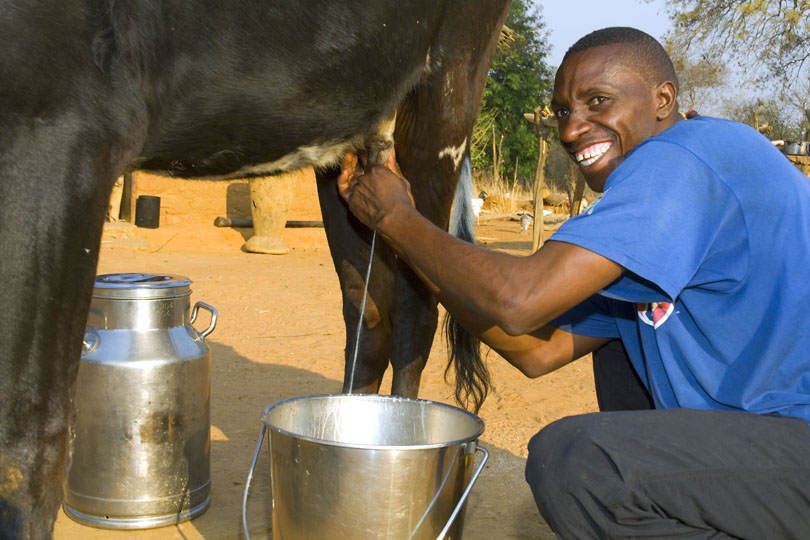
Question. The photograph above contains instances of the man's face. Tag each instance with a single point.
(604, 108)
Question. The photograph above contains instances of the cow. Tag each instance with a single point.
(92, 88)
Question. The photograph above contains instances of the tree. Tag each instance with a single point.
(699, 75)
(770, 116)
(798, 96)
(481, 139)
(767, 40)
(519, 79)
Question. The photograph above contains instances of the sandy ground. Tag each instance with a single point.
(280, 334)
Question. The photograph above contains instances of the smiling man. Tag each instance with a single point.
(608, 103)
(697, 256)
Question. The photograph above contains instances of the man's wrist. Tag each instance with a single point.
(393, 223)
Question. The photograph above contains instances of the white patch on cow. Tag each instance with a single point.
(455, 153)
(428, 68)
(448, 86)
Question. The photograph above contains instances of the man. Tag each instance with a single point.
(698, 257)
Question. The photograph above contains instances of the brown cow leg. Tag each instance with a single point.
(400, 315)
(415, 318)
(432, 136)
(349, 244)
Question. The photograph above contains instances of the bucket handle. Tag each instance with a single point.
(213, 311)
(249, 478)
(466, 493)
(447, 526)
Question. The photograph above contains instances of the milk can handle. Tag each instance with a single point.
(467, 490)
(213, 311)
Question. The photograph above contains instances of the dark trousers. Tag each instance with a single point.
(675, 473)
(618, 386)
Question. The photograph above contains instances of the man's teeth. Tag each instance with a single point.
(592, 153)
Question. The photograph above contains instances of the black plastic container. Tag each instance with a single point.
(147, 212)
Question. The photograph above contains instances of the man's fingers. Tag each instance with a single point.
(347, 169)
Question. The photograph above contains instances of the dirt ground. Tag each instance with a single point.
(280, 334)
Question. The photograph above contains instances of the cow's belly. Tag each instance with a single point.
(318, 156)
(378, 139)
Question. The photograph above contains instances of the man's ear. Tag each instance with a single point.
(666, 96)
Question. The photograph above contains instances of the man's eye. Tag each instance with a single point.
(561, 113)
(598, 100)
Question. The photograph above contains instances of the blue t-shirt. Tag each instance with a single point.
(712, 225)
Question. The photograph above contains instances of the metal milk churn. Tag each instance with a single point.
(142, 435)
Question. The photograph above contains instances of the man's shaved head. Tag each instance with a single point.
(640, 51)
(615, 88)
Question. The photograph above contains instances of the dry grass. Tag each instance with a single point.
(503, 196)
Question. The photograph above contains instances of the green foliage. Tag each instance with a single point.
(700, 76)
(519, 79)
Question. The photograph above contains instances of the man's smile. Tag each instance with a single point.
(592, 153)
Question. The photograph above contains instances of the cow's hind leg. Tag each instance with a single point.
(53, 196)
(432, 135)
(349, 244)
(415, 317)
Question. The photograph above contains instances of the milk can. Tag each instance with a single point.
(142, 435)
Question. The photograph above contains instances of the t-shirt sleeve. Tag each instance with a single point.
(590, 318)
(658, 219)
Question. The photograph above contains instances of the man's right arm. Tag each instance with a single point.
(505, 299)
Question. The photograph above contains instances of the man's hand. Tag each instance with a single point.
(373, 192)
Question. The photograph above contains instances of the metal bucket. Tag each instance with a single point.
(792, 148)
(369, 466)
(141, 449)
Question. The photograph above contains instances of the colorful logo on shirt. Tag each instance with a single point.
(656, 313)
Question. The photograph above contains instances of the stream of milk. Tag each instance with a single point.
(362, 312)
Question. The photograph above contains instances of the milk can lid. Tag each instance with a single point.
(137, 285)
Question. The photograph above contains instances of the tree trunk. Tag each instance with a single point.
(569, 190)
(496, 177)
(500, 159)
(539, 181)
(578, 182)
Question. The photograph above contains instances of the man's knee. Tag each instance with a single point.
(568, 470)
(564, 447)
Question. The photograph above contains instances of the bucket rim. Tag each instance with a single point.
(375, 397)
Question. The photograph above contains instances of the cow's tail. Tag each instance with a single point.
(464, 348)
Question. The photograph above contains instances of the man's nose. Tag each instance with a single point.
(573, 126)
